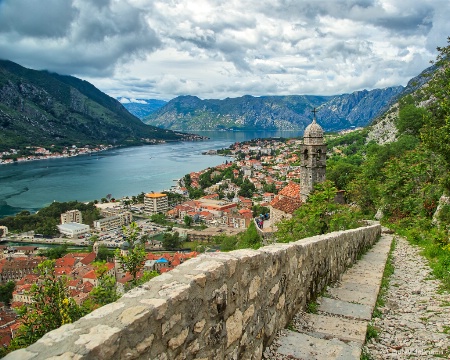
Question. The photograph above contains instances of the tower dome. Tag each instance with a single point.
(313, 134)
(313, 130)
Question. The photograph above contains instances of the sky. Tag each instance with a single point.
(213, 49)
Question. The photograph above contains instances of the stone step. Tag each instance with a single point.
(338, 331)
(295, 345)
(345, 309)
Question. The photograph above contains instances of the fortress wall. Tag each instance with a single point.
(220, 305)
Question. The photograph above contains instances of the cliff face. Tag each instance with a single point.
(274, 112)
(41, 108)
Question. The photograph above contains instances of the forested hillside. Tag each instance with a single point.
(406, 182)
(38, 108)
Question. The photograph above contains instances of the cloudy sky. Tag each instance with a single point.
(226, 48)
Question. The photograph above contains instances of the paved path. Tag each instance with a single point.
(415, 320)
(338, 329)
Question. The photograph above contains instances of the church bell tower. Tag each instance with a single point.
(313, 158)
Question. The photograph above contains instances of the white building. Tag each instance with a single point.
(155, 203)
(5, 231)
(73, 229)
(113, 222)
(71, 216)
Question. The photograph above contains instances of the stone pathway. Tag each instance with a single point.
(415, 321)
(338, 329)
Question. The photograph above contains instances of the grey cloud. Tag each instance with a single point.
(35, 19)
(92, 37)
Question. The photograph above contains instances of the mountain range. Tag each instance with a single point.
(40, 108)
(291, 112)
(43, 108)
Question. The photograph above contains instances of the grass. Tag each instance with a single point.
(371, 333)
(365, 355)
(312, 307)
(291, 327)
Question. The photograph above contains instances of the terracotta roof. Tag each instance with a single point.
(90, 275)
(62, 262)
(63, 270)
(88, 259)
(291, 190)
(155, 195)
(28, 279)
(286, 204)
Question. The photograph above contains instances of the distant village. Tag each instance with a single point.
(275, 176)
(31, 153)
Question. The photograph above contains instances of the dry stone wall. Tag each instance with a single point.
(216, 306)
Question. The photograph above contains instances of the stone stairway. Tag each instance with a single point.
(338, 329)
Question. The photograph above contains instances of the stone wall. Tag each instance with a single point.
(221, 305)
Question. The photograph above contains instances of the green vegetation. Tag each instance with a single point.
(319, 215)
(64, 111)
(371, 333)
(406, 178)
(55, 252)
(106, 291)
(312, 307)
(51, 307)
(171, 241)
(133, 259)
(45, 220)
(6, 291)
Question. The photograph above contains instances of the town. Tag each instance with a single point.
(258, 185)
(31, 153)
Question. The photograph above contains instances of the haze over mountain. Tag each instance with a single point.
(141, 107)
(43, 108)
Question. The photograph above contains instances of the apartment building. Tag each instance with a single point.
(71, 216)
(155, 203)
(113, 222)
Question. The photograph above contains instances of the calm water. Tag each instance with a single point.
(119, 172)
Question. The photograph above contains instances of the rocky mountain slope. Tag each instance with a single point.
(383, 129)
(274, 112)
(42, 108)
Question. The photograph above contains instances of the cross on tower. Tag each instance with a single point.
(314, 111)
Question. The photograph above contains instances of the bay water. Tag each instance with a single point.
(119, 172)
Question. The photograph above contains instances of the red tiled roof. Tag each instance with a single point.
(286, 204)
(291, 190)
(64, 262)
(63, 271)
(88, 258)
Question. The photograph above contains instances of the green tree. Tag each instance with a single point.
(319, 215)
(411, 119)
(106, 291)
(103, 253)
(146, 276)
(6, 291)
(133, 260)
(51, 307)
(171, 241)
(159, 219)
(55, 253)
(411, 185)
(436, 130)
(187, 180)
(250, 238)
(187, 220)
